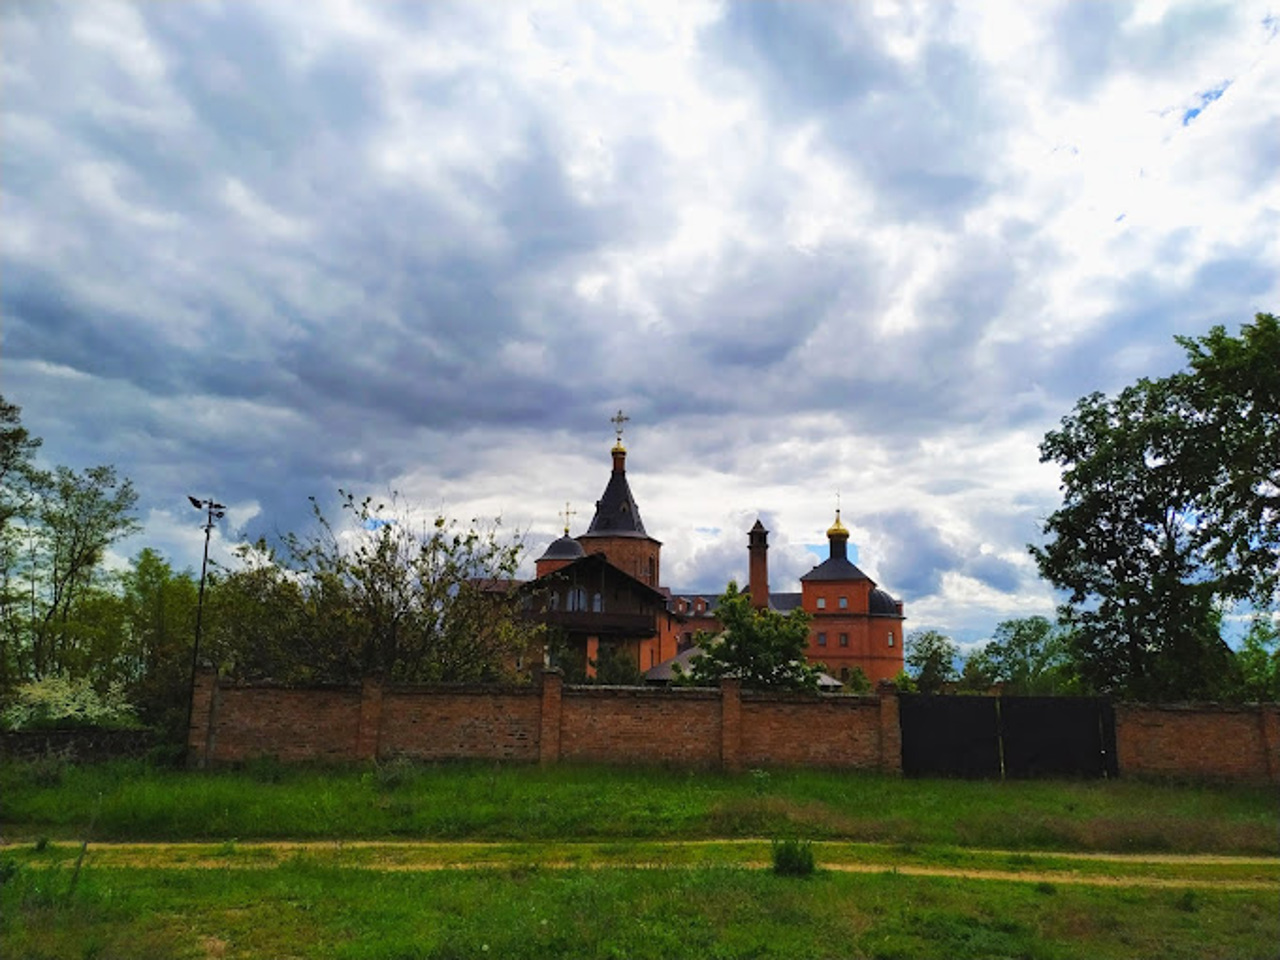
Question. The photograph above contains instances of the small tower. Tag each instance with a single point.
(758, 575)
(561, 552)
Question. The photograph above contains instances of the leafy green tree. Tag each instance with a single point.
(931, 660)
(1259, 660)
(159, 608)
(1169, 509)
(393, 596)
(1230, 445)
(17, 469)
(765, 649)
(78, 515)
(1030, 657)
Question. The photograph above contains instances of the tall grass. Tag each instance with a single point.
(487, 802)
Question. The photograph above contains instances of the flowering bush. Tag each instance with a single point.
(59, 701)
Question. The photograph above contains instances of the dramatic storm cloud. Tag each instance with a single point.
(263, 251)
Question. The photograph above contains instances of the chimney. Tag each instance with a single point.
(758, 577)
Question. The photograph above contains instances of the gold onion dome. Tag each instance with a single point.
(838, 529)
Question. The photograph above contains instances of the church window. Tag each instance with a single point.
(844, 674)
(891, 638)
(577, 600)
(597, 604)
(822, 639)
(844, 603)
(822, 603)
(652, 570)
(844, 639)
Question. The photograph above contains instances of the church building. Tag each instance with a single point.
(602, 591)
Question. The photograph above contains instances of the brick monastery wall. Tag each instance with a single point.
(803, 732)
(726, 728)
(1213, 741)
(428, 723)
(641, 725)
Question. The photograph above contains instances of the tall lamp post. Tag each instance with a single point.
(213, 511)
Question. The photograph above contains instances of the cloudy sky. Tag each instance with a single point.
(260, 251)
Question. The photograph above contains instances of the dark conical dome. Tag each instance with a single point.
(566, 548)
(882, 604)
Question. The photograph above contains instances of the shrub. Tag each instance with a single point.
(793, 858)
(59, 701)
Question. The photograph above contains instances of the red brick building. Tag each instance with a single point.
(611, 577)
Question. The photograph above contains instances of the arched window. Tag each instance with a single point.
(577, 600)
(597, 603)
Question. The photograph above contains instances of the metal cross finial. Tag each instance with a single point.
(617, 422)
(567, 513)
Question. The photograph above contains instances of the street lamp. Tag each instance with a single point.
(213, 511)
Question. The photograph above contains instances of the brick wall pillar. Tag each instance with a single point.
(890, 728)
(370, 719)
(549, 727)
(199, 736)
(731, 724)
(1269, 718)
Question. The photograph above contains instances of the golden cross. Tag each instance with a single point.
(617, 422)
(567, 514)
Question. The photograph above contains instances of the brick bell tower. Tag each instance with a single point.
(616, 528)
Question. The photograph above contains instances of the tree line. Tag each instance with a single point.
(1170, 515)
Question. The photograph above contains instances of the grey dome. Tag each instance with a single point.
(882, 604)
(566, 548)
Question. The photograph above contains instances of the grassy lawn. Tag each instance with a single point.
(126, 801)
(475, 860)
(305, 909)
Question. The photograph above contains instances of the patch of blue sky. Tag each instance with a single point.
(711, 531)
(377, 523)
(1206, 98)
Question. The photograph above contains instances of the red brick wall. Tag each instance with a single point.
(681, 727)
(291, 725)
(803, 732)
(442, 723)
(1237, 743)
(640, 725)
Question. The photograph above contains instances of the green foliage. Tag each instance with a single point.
(1171, 506)
(931, 657)
(763, 648)
(1030, 657)
(857, 681)
(382, 593)
(1259, 661)
(59, 701)
(793, 858)
(617, 665)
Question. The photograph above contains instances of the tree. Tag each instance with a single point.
(1030, 657)
(764, 649)
(76, 517)
(931, 660)
(1171, 507)
(17, 453)
(394, 596)
(159, 608)
(1231, 446)
(1259, 660)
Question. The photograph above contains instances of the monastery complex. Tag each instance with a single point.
(603, 591)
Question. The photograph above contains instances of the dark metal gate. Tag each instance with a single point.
(998, 737)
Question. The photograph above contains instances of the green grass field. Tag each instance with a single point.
(479, 861)
(130, 801)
